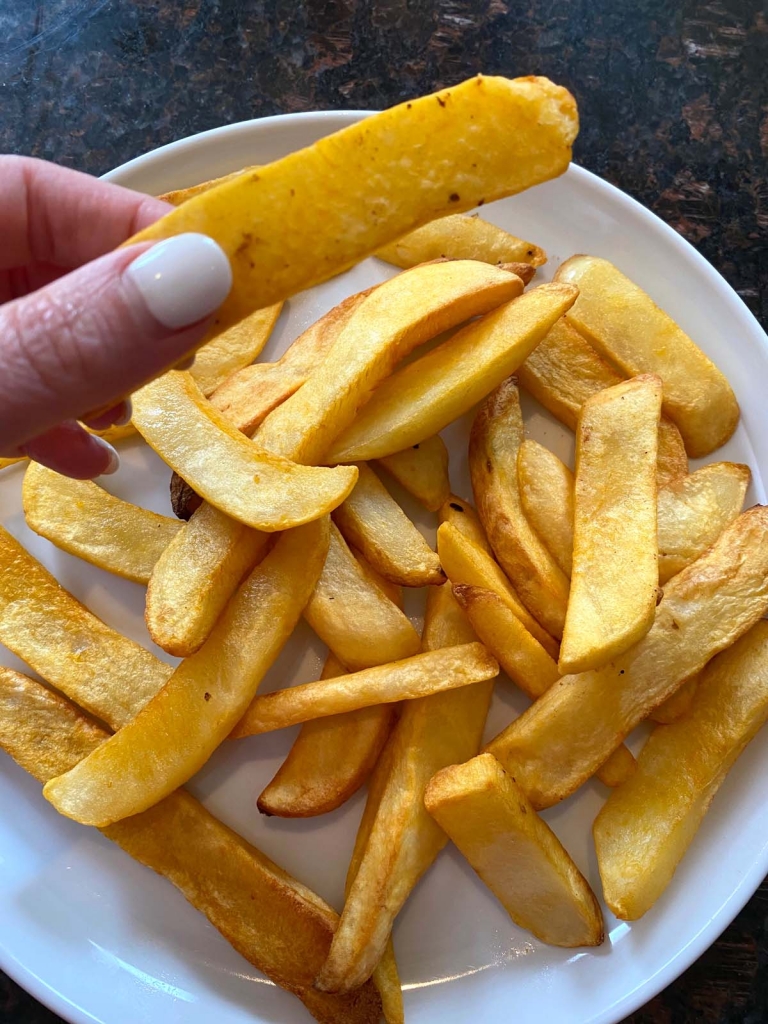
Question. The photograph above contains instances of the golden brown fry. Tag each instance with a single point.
(176, 732)
(566, 735)
(461, 238)
(514, 852)
(422, 470)
(497, 433)
(426, 395)
(629, 329)
(615, 574)
(409, 679)
(646, 825)
(355, 191)
(546, 493)
(107, 674)
(243, 481)
(275, 922)
(84, 519)
(564, 371)
(677, 705)
(392, 590)
(181, 195)
(397, 840)
(461, 514)
(371, 519)
(231, 351)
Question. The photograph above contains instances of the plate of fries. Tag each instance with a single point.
(467, 483)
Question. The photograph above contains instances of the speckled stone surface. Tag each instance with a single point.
(674, 109)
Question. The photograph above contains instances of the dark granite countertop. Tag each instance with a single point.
(674, 108)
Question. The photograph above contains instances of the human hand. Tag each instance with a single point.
(81, 325)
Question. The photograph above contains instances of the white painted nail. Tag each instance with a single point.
(114, 459)
(182, 279)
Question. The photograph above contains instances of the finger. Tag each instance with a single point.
(70, 450)
(90, 338)
(116, 416)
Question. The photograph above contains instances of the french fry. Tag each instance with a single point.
(525, 661)
(629, 329)
(178, 196)
(564, 371)
(495, 439)
(176, 732)
(256, 487)
(392, 590)
(273, 921)
(566, 735)
(645, 827)
(461, 514)
(390, 322)
(460, 238)
(422, 470)
(421, 398)
(4, 463)
(546, 494)
(397, 840)
(615, 574)
(516, 854)
(84, 519)
(419, 676)
(229, 352)
(677, 705)
(374, 194)
(106, 673)
(464, 562)
(371, 519)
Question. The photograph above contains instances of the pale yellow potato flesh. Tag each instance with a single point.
(564, 371)
(525, 661)
(256, 487)
(371, 519)
(462, 515)
(495, 439)
(277, 924)
(457, 237)
(422, 470)
(195, 577)
(389, 323)
(44, 625)
(627, 327)
(177, 731)
(423, 397)
(615, 572)
(518, 856)
(397, 840)
(546, 493)
(369, 184)
(392, 590)
(465, 562)
(231, 351)
(82, 518)
(569, 732)
(646, 826)
(409, 679)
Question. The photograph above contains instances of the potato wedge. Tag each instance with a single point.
(677, 705)
(273, 921)
(645, 827)
(395, 318)
(176, 732)
(564, 371)
(256, 487)
(566, 735)
(231, 351)
(465, 562)
(419, 676)
(627, 327)
(196, 575)
(495, 439)
(387, 587)
(525, 661)
(460, 238)
(106, 673)
(372, 182)
(4, 463)
(516, 854)
(546, 495)
(178, 196)
(615, 574)
(397, 840)
(422, 470)
(461, 514)
(82, 518)
(371, 519)
(420, 399)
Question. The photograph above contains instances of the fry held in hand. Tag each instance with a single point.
(460, 238)
(546, 494)
(422, 470)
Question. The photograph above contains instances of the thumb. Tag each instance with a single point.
(93, 336)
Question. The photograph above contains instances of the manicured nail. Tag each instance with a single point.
(182, 279)
(114, 459)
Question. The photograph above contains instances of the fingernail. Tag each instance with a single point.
(114, 459)
(182, 279)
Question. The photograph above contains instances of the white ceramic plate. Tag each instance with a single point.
(99, 938)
